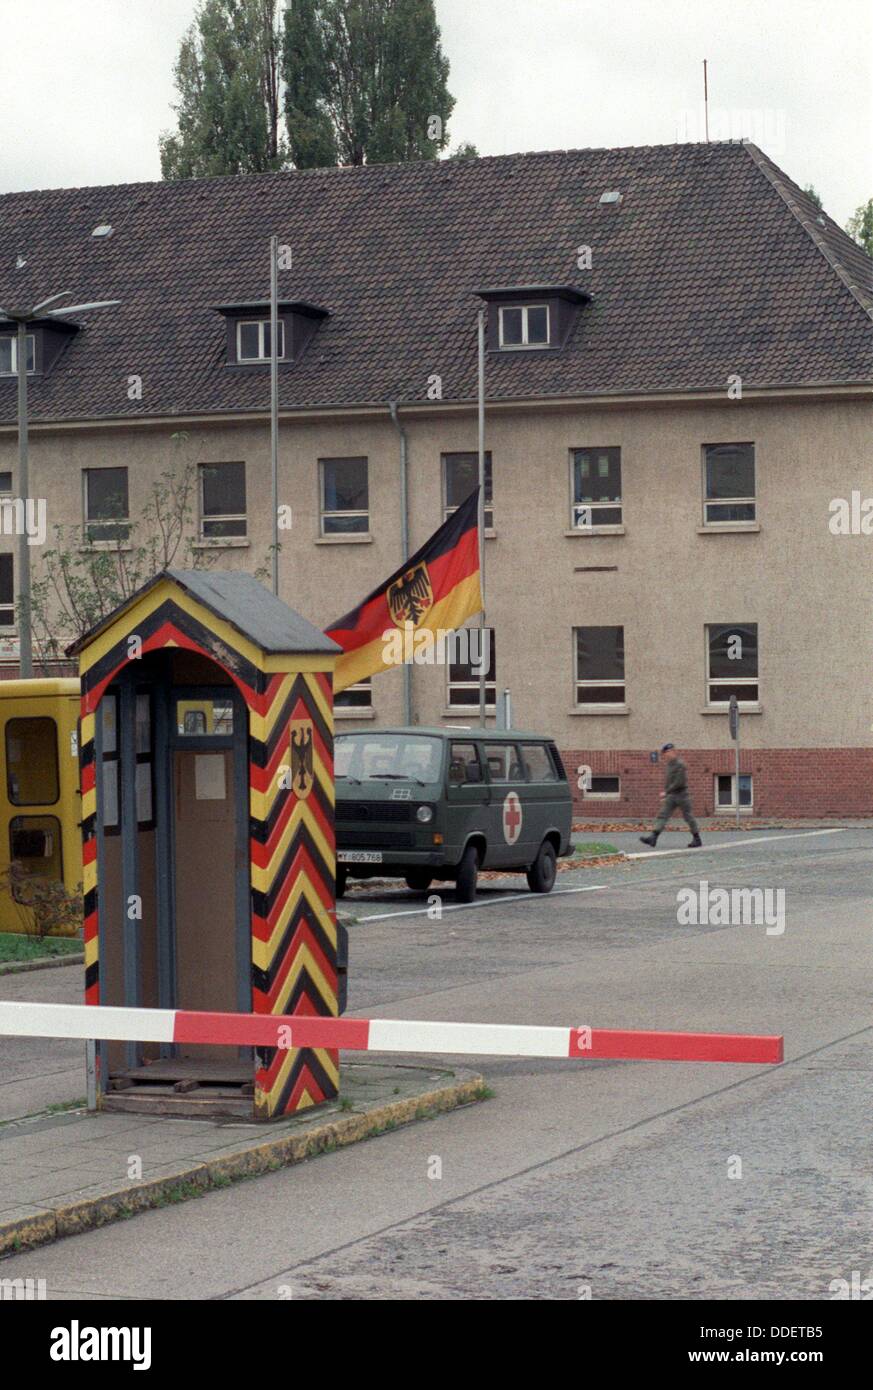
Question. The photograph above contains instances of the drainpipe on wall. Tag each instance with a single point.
(404, 541)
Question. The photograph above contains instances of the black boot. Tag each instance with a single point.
(650, 839)
(696, 842)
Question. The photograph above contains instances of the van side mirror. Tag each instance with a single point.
(474, 772)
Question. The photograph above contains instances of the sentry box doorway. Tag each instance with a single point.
(208, 838)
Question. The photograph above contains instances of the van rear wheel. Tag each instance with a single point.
(418, 880)
(468, 873)
(541, 876)
(340, 881)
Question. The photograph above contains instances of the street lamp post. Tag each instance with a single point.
(21, 318)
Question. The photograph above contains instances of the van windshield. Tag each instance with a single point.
(371, 757)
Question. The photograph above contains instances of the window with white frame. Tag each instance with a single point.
(728, 483)
(595, 481)
(7, 591)
(222, 501)
(107, 510)
(524, 325)
(599, 659)
(345, 496)
(357, 696)
(732, 663)
(461, 477)
(253, 340)
(603, 787)
(726, 791)
(464, 672)
(9, 354)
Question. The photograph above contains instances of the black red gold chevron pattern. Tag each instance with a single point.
(295, 957)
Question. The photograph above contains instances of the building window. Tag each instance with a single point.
(732, 654)
(595, 480)
(463, 682)
(222, 500)
(357, 696)
(524, 325)
(7, 591)
(5, 484)
(253, 340)
(604, 788)
(461, 477)
(345, 497)
(9, 354)
(106, 504)
(599, 666)
(728, 483)
(726, 791)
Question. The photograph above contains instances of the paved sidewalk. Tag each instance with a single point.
(65, 1173)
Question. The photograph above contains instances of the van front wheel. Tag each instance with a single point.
(468, 873)
(541, 875)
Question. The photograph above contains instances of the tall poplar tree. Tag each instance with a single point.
(227, 77)
(365, 82)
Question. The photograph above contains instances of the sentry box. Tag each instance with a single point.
(208, 838)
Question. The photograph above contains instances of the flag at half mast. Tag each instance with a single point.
(433, 592)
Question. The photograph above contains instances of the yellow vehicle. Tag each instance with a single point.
(40, 803)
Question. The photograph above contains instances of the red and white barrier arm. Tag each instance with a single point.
(380, 1034)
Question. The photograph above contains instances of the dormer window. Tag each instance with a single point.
(247, 328)
(524, 325)
(9, 354)
(524, 318)
(253, 340)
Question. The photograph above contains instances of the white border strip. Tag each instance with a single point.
(491, 1039)
(19, 1020)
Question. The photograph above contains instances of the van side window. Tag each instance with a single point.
(504, 763)
(464, 764)
(537, 762)
(32, 762)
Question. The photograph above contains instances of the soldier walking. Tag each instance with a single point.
(676, 798)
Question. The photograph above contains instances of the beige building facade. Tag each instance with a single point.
(663, 575)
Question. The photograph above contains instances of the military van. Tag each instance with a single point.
(436, 804)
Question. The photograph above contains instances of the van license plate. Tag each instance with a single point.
(359, 856)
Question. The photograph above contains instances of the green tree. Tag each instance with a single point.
(814, 195)
(466, 150)
(860, 226)
(80, 583)
(227, 77)
(365, 82)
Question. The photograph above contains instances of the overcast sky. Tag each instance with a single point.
(87, 84)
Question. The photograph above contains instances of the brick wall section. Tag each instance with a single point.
(790, 782)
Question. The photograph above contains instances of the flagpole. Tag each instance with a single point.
(482, 663)
(274, 404)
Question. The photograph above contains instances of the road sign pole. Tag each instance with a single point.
(734, 722)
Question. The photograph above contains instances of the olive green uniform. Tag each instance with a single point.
(676, 797)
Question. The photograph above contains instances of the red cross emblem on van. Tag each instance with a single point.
(512, 818)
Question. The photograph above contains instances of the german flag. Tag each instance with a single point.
(438, 589)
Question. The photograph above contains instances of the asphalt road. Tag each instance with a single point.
(610, 1180)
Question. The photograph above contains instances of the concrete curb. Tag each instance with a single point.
(17, 967)
(42, 1226)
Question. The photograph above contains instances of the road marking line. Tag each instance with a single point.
(485, 902)
(759, 840)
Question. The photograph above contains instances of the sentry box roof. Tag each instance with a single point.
(240, 600)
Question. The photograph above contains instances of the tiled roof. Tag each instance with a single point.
(713, 263)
